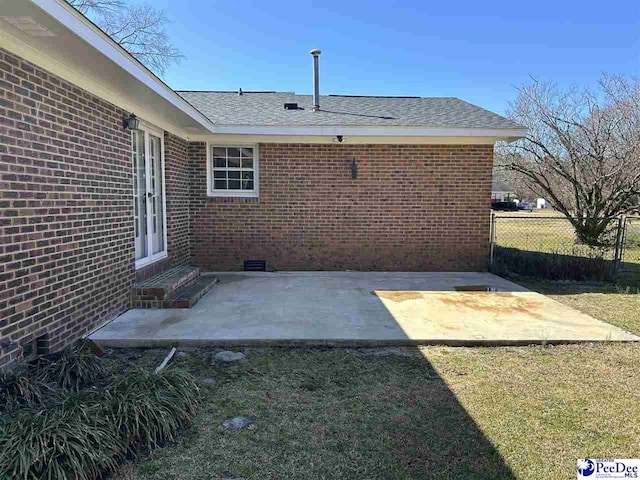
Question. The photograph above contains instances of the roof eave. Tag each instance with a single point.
(507, 134)
(94, 36)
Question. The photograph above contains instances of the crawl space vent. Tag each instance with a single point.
(254, 266)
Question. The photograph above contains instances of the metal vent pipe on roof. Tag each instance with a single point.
(316, 79)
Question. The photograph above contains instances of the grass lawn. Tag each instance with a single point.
(604, 301)
(410, 413)
(549, 232)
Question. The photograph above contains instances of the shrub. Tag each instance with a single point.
(551, 266)
(150, 409)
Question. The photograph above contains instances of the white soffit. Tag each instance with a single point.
(83, 55)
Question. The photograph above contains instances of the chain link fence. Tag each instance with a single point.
(630, 258)
(547, 247)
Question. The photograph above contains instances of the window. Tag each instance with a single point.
(233, 171)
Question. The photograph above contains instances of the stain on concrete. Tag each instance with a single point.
(171, 321)
(503, 303)
(397, 295)
(232, 278)
(475, 288)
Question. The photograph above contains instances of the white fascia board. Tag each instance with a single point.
(78, 24)
(370, 131)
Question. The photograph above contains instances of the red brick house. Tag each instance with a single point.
(211, 179)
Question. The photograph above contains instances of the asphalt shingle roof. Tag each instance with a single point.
(499, 185)
(267, 109)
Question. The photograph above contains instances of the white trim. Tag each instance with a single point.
(232, 139)
(154, 257)
(373, 131)
(255, 193)
(78, 24)
(146, 261)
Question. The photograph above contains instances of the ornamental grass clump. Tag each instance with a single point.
(72, 440)
(149, 409)
(20, 389)
(72, 369)
(68, 417)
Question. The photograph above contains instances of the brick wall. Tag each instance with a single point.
(178, 195)
(66, 209)
(412, 207)
(66, 230)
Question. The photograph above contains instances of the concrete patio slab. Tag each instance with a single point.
(361, 308)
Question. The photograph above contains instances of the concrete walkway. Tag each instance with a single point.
(361, 307)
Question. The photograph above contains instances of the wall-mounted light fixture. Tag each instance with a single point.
(131, 122)
(354, 169)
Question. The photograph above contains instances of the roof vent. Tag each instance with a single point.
(291, 106)
(240, 91)
(315, 53)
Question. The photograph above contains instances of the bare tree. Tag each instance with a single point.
(138, 29)
(520, 187)
(581, 152)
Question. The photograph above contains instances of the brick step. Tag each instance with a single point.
(152, 292)
(188, 295)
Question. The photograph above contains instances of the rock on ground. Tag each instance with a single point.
(232, 476)
(227, 356)
(237, 423)
(208, 381)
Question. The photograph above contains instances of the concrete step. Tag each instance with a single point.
(188, 295)
(152, 292)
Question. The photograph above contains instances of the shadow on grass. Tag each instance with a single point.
(361, 413)
(431, 435)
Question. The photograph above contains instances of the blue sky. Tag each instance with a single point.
(478, 51)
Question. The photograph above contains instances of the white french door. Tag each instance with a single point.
(149, 195)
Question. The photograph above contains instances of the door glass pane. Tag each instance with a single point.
(140, 193)
(157, 211)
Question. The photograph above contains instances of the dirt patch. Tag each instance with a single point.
(397, 295)
(496, 303)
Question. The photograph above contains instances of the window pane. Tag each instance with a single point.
(233, 168)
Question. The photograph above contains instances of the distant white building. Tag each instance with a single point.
(501, 191)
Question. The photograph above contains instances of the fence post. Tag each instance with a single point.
(620, 239)
(492, 241)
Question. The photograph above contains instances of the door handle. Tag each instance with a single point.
(150, 195)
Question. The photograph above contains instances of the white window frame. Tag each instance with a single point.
(152, 258)
(211, 192)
